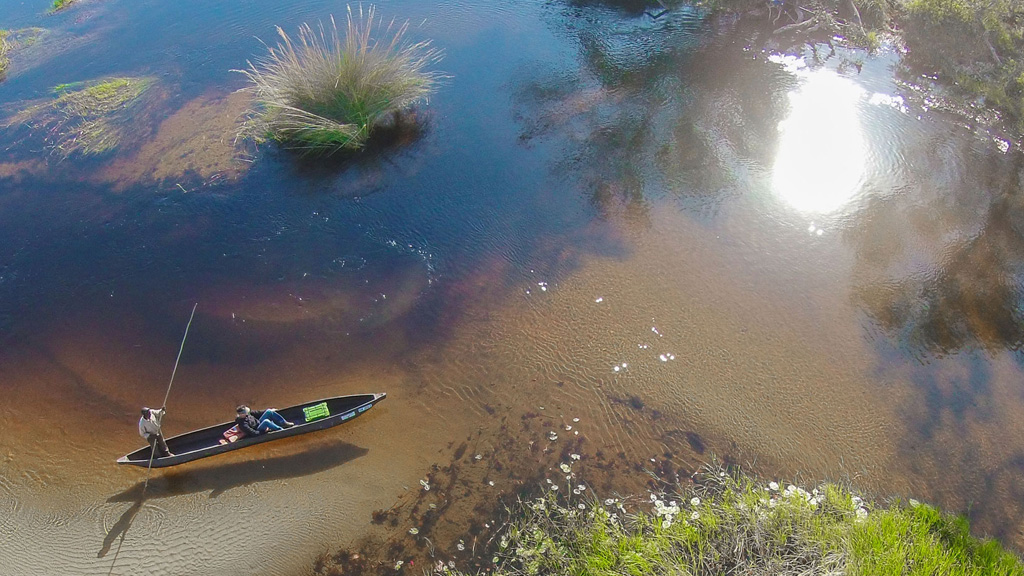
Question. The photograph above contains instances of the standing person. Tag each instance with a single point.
(149, 428)
(256, 422)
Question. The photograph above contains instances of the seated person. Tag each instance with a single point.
(256, 422)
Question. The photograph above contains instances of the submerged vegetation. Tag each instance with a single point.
(86, 117)
(733, 524)
(321, 94)
(59, 5)
(4, 48)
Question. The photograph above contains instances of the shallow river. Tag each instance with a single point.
(648, 237)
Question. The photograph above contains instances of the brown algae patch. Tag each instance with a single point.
(87, 118)
(197, 140)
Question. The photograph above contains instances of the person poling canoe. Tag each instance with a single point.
(149, 428)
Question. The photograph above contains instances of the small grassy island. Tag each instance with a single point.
(733, 524)
(323, 93)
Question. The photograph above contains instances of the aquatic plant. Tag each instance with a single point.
(322, 93)
(59, 5)
(86, 117)
(4, 48)
(734, 524)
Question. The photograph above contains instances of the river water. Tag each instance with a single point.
(654, 238)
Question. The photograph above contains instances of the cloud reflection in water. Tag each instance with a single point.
(821, 156)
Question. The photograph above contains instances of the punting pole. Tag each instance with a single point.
(152, 451)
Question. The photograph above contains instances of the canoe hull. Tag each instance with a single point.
(207, 441)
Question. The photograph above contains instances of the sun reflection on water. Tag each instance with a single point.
(821, 157)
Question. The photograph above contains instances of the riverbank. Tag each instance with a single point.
(725, 522)
(982, 68)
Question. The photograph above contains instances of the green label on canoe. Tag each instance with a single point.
(316, 411)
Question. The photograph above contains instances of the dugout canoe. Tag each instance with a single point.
(210, 441)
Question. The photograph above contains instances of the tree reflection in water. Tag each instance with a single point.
(658, 106)
(940, 269)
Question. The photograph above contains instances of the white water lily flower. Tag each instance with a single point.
(581, 487)
(414, 531)
(554, 487)
(773, 485)
(666, 523)
(694, 501)
(609, 502)
(575, 419)
(490, 482)
(398, 565)
(581, 506)
(565, 467)
(477, 457)
(695, 516)
(567, 427)
(574, 456)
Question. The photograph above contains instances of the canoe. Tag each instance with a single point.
(321, 414)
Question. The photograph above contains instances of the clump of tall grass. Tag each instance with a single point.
(321, 93)
(734, 524)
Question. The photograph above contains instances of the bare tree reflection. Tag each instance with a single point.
(658, 105)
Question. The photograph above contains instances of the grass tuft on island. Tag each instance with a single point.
(321, 94)
(734, 524)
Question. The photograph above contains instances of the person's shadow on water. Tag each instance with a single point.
(219, 479)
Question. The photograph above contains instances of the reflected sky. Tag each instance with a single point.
(821, 158)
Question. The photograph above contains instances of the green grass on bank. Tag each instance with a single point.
(737, 525)
(321, 92)
(975, 45)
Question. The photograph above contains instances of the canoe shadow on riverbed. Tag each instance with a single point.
(219, 479)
